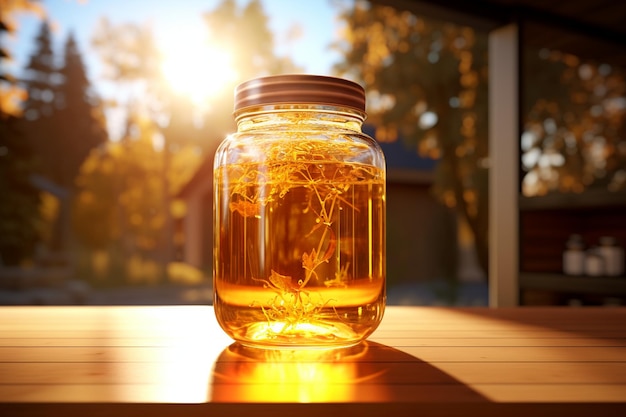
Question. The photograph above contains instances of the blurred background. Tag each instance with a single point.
(111, 112)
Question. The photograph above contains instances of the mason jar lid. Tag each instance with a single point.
(300, 89)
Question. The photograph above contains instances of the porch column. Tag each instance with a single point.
(504, 136)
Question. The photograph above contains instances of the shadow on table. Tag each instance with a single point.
(602, 326)
(368, 372)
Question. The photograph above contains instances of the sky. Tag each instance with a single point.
(317, 19)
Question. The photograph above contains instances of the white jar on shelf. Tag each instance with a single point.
(594, 263)
(613, 256)
(574, 256)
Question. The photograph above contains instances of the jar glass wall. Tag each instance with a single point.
(299, 254)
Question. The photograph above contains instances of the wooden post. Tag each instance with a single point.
(504, 136)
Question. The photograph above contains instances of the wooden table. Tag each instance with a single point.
(422, 361)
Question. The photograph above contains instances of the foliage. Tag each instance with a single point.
(246, 34)
(426, 84)
(120, 186)
(10, 94)
(20, 200)
(132, 58)
(128, 51)
(10, 8)
(575, 135)
(164, 126)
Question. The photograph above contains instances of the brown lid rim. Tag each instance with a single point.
(300, 88)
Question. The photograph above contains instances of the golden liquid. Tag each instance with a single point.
(300, 252)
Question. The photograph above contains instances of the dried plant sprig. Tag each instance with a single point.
(314, 165)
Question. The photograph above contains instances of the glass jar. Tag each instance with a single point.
(613, 255)
(574, 256)
(299, 211)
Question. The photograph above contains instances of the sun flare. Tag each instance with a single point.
(196, 68)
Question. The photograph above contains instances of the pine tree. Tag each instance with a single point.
(19, 205)
(79, 119)
(62, 121)
(39, 78)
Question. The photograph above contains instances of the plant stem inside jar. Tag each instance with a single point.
(302, 248)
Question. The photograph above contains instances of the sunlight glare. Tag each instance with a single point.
(196, 68)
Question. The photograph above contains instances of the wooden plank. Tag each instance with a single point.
(255, 393)
(258, 393)
(45, 341)
(71, 354)
(554, 393)
(59, 373)
(391, 373)
(383, 335)
(85, 393)
(556, 322)
(502, 341)
(429, 354)
(515, 354)
(397, 409)
(536, 372)
(417, 339)
(440, 339)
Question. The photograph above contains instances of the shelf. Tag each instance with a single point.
(590, 199)
(546, 222)
(615, 286)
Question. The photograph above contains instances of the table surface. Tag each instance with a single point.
(423, 361)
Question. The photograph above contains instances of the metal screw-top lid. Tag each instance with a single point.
(300, 89)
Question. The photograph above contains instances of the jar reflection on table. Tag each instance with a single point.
(245, 374)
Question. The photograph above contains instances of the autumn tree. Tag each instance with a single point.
(119, 185)
(245, 33)
(132, 60)
(11, 95)
(426, 84)
(575, 130)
